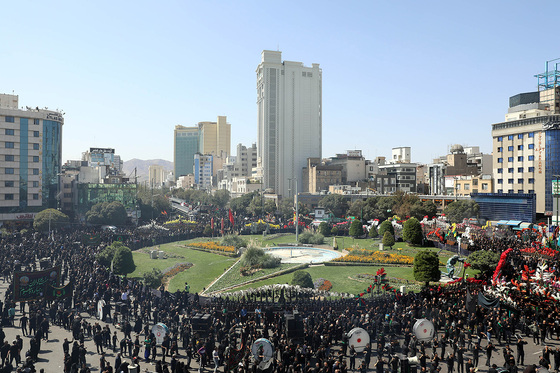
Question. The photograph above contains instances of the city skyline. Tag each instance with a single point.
(408, 74)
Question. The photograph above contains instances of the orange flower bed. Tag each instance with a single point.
(376, 257)
(212, 246)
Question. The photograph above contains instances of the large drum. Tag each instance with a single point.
(263, 352)
(358, 338)
(423, 330)
(160, 330)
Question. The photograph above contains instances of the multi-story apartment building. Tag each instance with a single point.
(526, 145)
(289, 102)
(317, 176)
(30, 159)
(203, 170)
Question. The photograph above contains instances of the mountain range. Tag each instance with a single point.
(142, 167)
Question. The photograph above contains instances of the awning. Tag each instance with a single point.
(525, 225)
(514, 223)
(502, 222)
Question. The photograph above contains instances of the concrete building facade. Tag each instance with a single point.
(30, 158)
(289, 105)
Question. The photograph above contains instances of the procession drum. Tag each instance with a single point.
(263, 352)
(423, 330)
(358, 338)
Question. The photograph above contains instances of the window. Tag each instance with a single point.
(500, 190)
(500, 170)
(9, 145)
(36, 121)
(531, 191)
(9, 197)
(510, 170)
(35, 158)
(500, 160)
(467, 187)
(510, 148)
(520, 158)
(458, 186)
(35, 146)
(531, 157)
(484, 186)
(67, 195)
(531, 134)
(500, 138)
(520, 181)
(510, 190)
(9, 158)
(531, 180)
(510, 181)
(531, 146)
(9, 171)
(35, 133)
(500, 181)
(35, 184)
(520, 191)
(35, 196)
(519, 147)
(510, 159)
(531, 169)
(500, 149)
(9, 184)
(10, 119)
(510, 137)
(9, 132)
(35, 171)
(520, 136)
(519, 169)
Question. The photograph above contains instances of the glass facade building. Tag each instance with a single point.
(552, 138)
(186, 145)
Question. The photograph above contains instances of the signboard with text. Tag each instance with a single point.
(31, 285)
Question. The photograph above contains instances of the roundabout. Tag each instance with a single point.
(298, 254)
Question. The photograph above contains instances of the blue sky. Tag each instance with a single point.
(425, 74)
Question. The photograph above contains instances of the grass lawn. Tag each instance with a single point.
(209, 266)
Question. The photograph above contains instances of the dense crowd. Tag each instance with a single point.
(464, 331)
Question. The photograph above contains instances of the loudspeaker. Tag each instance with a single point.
(294, 326)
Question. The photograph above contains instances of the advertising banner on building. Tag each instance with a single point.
(31, 285)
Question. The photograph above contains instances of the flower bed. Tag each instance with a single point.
(212, 246)
(179, 221)
(168, 273)
(376, 257)
(322, 284)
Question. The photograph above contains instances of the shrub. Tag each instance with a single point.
(356, 228)
(373, 232)
(412, 231)
(386, 226)
(305, 237)
(303, 279)
(324, 229)
(255, 257)
(234, 240)
(207, 230)
(334, 230)
(152, 279)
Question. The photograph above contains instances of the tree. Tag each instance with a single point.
(421, 209)
(123, 262)
(356, 228)
(57, 219)
(484, 260)
(426, 267)
(207, 230)
(388, 240)
(336, 203)
(109, 213)
(220, 198)
(373, 232)
(386, 226)
(459, 210)
(239, 205)
(324, 229)
(412, 231)
(303, 279)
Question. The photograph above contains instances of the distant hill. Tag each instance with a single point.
(142, 167)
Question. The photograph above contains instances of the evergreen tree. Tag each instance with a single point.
(57, 219)
(388, 240)
(412, 231)
(303, 279)
(426, 267)
(373, 232)
(123, 262)
(386, 226)
(356, 228)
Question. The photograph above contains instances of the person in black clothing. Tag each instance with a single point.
(461, 359)
(520, 351)
(476, 354)
(493, 369)
(379, 365)
(489, 348)
(544, 363)
(450, 363)
(556, 354)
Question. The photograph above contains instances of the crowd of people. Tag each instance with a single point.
(315, 343)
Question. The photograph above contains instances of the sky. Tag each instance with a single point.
(424, 74)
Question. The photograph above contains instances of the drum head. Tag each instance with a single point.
(358, 338)
(262, 350)
(424, 330)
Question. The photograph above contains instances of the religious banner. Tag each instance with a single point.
(91, 239)
(121, 237)
(31, 285)
(56, 293)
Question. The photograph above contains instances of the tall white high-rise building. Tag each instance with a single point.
(289, 97)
